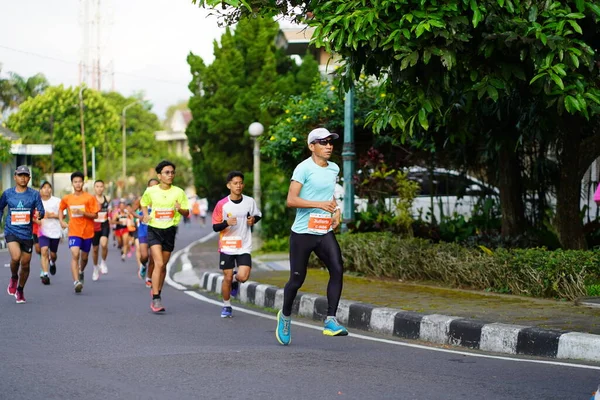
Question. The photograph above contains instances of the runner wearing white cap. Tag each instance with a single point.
(311, 192)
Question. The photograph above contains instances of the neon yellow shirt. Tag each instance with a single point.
(163, 213)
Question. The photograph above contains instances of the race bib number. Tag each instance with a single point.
(231, 243)
(319, 223)
(102, 217)
(81, 209)
(123, 221)
(20, 218)
(164, 214)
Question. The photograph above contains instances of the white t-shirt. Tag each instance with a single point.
(236, 239)
(51, 226)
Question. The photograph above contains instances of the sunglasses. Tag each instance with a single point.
(324, 142)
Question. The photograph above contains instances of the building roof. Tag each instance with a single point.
(294, 40)
(187, 116)
(166, 136)
(7, 133)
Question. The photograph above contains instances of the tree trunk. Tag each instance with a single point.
(511, 199)
(568, 220)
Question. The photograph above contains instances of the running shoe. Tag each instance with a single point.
(52, 268)
(96, 273)
(333, 328)
(78, 286)
(81, 277)
(226, 312)
(156, 305)
(12, 286)
(45, 279)
(20, 297)
(148, 282)
(235, 286)
(103, 268)
(142, 271)
(283, 331)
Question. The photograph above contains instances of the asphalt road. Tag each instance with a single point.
(106, 344)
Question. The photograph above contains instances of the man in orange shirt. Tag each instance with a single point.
(83, 209)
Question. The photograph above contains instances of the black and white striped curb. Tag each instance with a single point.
(435, 328)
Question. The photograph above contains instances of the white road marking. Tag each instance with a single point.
(205, 299)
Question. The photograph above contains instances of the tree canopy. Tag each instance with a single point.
(227, 98)
(15, 89)
(57, 111)
(477, 71)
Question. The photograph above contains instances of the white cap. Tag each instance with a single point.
(320, 133)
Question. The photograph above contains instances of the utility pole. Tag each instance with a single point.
(348, 156)
(83, 152)
(52, 145)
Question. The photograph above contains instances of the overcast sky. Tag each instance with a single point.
(148, 40)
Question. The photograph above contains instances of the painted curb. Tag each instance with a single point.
(435, 328)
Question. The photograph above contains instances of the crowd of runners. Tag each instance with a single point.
(147, 227)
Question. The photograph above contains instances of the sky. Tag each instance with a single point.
(147, 40)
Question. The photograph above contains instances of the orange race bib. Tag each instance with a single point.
(20, 218)
(102, 217)
(231, 243)
(164, 214)
(319, 223)
(78, 207)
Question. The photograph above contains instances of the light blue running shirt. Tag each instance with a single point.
(318, 184)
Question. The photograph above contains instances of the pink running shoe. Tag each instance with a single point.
(12, 286)
(20, 297)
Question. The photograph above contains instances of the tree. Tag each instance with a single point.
(59, 107)
(141, 123)
(438, 62)
(227, 97)
(15, 89)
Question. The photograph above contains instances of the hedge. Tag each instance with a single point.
(563, 274)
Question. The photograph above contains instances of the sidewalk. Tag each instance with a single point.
(486, 321)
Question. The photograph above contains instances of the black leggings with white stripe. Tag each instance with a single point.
(328, 250)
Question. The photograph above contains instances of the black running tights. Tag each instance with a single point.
(328, 250)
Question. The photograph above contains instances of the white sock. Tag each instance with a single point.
(234, 278)
(227, 303)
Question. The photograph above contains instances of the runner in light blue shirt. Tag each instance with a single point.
(317, 215)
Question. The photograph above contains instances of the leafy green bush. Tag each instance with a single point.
(532, 272)
(593, 290)
(276, 244)
(389, 195)
(278, 217)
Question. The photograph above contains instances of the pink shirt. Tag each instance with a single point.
(597, 194)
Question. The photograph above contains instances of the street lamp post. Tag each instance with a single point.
(82, 127)
(124, 141)
(255, 130)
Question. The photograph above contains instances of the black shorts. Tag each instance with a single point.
(162, 237)
(35, 238)
(104, 231)
(25, 244)
(229, 261)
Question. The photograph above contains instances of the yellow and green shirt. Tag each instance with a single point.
(162, 201)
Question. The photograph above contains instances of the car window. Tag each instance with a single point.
(444, 184)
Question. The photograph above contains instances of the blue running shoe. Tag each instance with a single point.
(333, 328)
(142, 272)
(226, 312)
(283, 331)
(235, 286)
